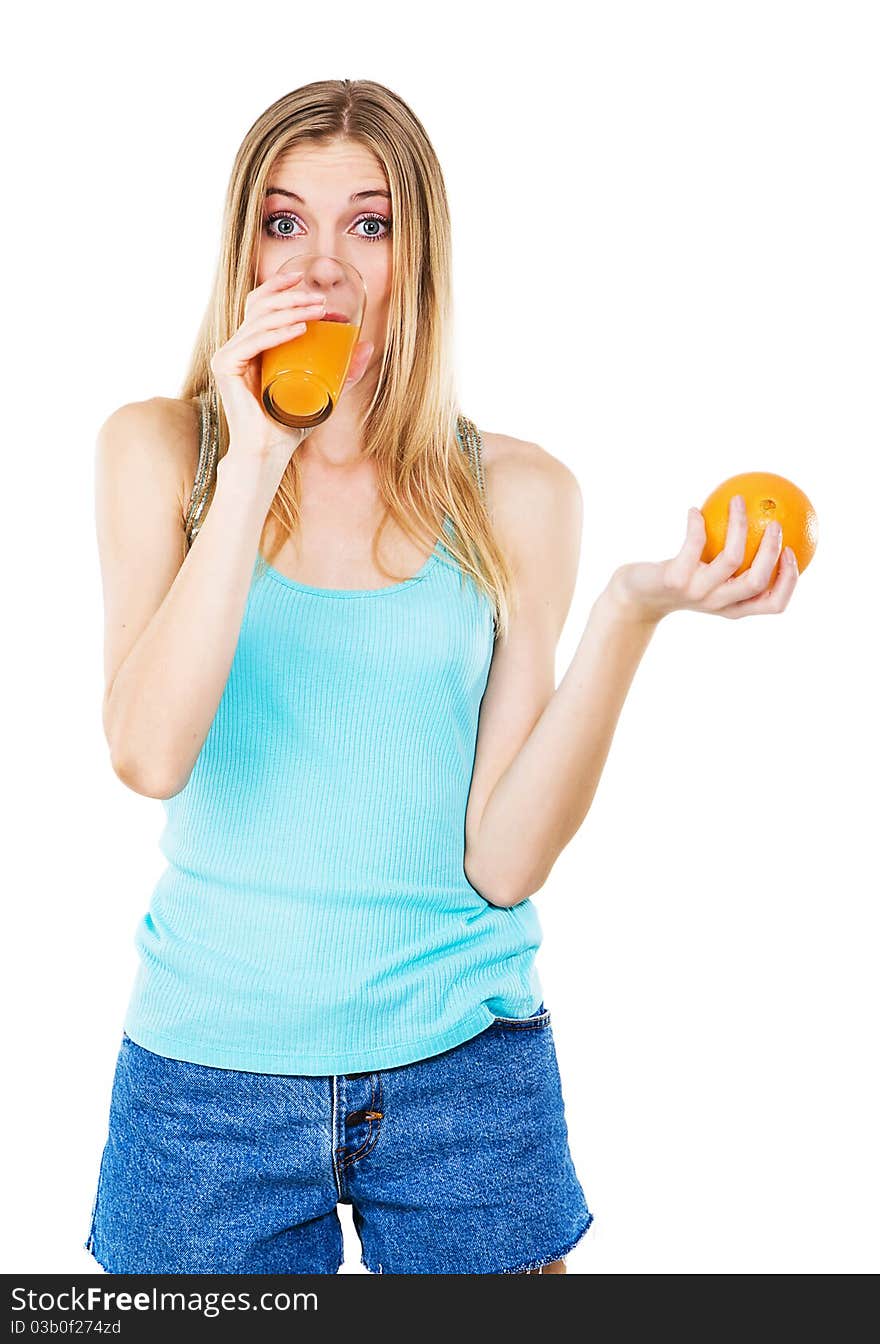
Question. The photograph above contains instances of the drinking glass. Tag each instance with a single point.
(301, 379)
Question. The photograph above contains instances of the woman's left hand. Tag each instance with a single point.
(648, 591)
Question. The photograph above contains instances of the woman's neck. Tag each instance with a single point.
(339, 441)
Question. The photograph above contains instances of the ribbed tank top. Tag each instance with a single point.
(314, 916)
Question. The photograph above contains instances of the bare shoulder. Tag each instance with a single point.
(532, 495)
(159, 434)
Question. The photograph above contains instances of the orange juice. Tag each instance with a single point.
(301, 379)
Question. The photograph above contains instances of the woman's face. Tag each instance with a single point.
(332, 199)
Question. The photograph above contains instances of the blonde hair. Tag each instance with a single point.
(410, 426)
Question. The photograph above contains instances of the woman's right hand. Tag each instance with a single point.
(276, 311)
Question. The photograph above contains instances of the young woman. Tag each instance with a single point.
(337, 999)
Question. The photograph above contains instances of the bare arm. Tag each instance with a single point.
(541, 750)
(172, 619)
(171, 623)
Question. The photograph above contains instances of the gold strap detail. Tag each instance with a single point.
(206, 470)
(471, 442)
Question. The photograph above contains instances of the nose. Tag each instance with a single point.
(336, 284)
(327, 275)
(327, 270)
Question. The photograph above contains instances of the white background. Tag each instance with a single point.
(666, 235)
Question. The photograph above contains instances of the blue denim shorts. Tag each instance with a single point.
(454, 1164)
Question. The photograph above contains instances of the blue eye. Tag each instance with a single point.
(287, 216)
(375, 219)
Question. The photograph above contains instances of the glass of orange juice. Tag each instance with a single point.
(301, 379)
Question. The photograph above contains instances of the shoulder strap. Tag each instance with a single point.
(469, 438)
(206, 469)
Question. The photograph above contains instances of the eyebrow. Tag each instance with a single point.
(358, 195)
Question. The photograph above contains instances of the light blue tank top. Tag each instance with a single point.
(314, 916)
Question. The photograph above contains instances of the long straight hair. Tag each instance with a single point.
(409, 428)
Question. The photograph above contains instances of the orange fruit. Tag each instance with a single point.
(768, 498)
